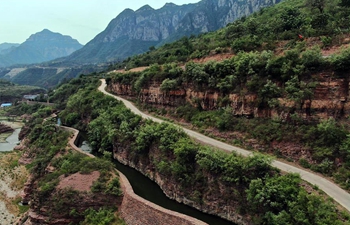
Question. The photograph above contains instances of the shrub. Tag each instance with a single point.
(340, 62)
(246, 43)
(304, 163)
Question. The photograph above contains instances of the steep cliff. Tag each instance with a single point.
(132, 32)
(211, 15)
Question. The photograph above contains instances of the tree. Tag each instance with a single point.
(345, 151)
(317, 4)
(268, 93)
(273, 194)
(195, 73)
(345, 3)
(168, 85)
(312, 58)
(291, 19)
(299, 91)
(340, 62)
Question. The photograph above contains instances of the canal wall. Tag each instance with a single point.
(136, 210)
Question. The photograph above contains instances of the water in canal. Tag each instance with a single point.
(149, 190)
(11, 142)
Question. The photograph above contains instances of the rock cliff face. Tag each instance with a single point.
(211, 15)
(330, 99)
(133, 32)
(40, 47)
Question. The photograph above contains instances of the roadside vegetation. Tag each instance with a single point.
(261, 192)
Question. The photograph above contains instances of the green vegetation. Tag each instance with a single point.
(48, 143)
(259, 190)
(101, 217)
(22, 208)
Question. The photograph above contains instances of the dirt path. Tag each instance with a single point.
(333, 190)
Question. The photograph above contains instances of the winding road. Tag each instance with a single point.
(334, 191)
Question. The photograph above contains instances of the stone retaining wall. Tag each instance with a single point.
(136, 210)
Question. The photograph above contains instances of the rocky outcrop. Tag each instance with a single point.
(5, 129)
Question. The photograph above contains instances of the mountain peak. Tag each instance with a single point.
(39, 47)
(46, 31)
(169, 4)
(126, 11)
(49, 36)
(145, 8)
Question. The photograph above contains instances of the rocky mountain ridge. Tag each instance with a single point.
(134, 32)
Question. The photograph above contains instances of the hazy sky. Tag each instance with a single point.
(80, 19)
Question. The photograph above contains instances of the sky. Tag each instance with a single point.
(80, 19)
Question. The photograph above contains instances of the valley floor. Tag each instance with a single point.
(12, 179)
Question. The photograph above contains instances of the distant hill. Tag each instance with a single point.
(7, 47)
(134, 32)
(40, 47)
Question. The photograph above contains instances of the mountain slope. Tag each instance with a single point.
(133, 32)
(40, 47)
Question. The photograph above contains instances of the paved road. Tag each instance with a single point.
(334, 191)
